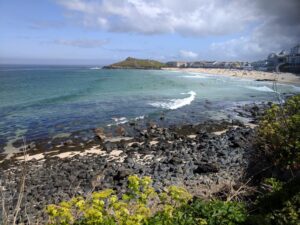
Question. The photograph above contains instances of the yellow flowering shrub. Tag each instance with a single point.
(141, 204)
(134, 207)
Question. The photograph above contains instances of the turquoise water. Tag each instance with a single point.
(43, 101)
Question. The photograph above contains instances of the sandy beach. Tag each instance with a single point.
(254, 75)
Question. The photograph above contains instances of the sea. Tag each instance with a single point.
(38, 102)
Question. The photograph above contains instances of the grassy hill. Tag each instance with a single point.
(132, 63)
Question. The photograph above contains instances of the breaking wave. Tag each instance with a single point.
(118, 121)
(176, 103)
(95, 68)
(139, 117)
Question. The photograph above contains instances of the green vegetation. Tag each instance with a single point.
(214, 212)
(132, 63)
(142, 205)
(279, 206)
(279, 134)
(279, 140)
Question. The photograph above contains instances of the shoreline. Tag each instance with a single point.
(83, 140)
(285, 78)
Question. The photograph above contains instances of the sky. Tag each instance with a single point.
(97, 32)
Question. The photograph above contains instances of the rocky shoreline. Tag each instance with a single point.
(203, 158)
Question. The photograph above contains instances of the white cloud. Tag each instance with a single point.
(189, 17)
(269, 36)
(188, 54)
(257, 27)
(82, 43)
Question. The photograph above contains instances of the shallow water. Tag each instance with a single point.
(46, 101)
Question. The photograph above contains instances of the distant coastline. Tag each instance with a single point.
(146, 64)
(288, 78)
(133, 63)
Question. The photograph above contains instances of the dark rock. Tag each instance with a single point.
(206, 168)
(129, 161)
(237, 123)
(152, 125)
(135, 145)
(120, 131)
(132, 123)
(31, 145)
(100, 134)
(175, 160)
(68, 142)
(122, 174)
(108, 146)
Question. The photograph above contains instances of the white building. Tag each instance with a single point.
(177, 64)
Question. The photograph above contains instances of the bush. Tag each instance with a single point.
(142, 205)
(281, 206)
(274, 184)
(214, 212)
(279, 134)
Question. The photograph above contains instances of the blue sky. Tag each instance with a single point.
(103, 31)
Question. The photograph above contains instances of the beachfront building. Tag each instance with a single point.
(233, 65)
(247, 66)
(277, 60)
(210, 64)
(236, 65)
(281, 62)
(219, 64)
(177, 64)
(274, 62)
(294, 59)
(196, 64)
(261, 65)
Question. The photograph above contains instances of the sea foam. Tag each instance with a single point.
(139, 117)
(118, 121)
(296, 88)
(176, 103)
(263, 88)
(195, 76)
